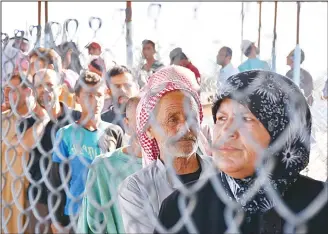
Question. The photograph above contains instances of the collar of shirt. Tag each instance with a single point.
(207, 171)
(226, 68)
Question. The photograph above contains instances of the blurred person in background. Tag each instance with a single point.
(41, 58)
(250, 50)
(306, 80)
(71, 69)
(77, 145)
(50, 116)
(121, 86)
(151, 65)
(263, 138)
(18, 95)
(13, 51)
(97, 66)
(104, 177)
(94, 48)
(223, 59)
(178, 57)
(168, 117)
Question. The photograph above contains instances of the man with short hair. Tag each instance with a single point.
(168, 117)
(250, 50)
(79, 143)
(223, 59)
(151, 65)
(97, 66)
(306, 80)
(178, 57)
(121, 86)
(44, 58)
(104, 177)
(52, 116)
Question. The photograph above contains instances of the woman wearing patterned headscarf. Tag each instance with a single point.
(261, 144)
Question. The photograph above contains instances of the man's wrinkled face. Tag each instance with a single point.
(148, 51)
(122, 87)
(48, 88)
(176, 124)
(238, 137)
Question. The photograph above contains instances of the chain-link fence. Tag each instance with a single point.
(93, 152)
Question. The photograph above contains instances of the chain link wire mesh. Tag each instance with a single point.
(20, 203)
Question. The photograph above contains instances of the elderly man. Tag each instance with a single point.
(168, 121)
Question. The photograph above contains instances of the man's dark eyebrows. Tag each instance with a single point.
(173, 114)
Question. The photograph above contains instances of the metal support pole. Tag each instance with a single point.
(129, 41)
(297, 52)
(242, 28)
(46, 12)
(260, 25)
(39, 12)
(274, 37)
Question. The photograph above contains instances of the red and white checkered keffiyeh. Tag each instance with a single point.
(166, 80)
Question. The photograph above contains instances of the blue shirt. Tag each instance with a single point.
(252, 64)
(78, 147)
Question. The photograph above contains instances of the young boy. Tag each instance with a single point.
(79, 143)
(104, 177)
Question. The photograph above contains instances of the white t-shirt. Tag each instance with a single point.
(226, 72)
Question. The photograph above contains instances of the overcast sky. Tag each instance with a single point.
(217, 24)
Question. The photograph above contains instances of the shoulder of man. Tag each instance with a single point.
(101, 159)
(141, 177)
(157, 64)
(26, 123)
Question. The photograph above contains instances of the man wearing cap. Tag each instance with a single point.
(306, 80)
(151, 65)
(224, 60)
(178, 57)
(169, 116)
(253, 62)
(94, 48)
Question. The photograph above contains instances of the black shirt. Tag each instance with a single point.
(113, 116)
(187, 178)
(209, 214)
(42, 153)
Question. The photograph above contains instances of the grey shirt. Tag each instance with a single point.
(306, 83)
(141, 194)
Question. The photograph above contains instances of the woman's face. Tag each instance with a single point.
(238, 138)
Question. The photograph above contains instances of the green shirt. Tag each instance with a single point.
(100, 209)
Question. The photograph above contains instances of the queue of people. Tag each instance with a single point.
(104, 150)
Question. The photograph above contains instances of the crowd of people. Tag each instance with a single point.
(104, 149)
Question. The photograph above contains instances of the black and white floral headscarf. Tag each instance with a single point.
(282, 109)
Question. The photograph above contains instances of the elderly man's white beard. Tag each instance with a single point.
(171, 151)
